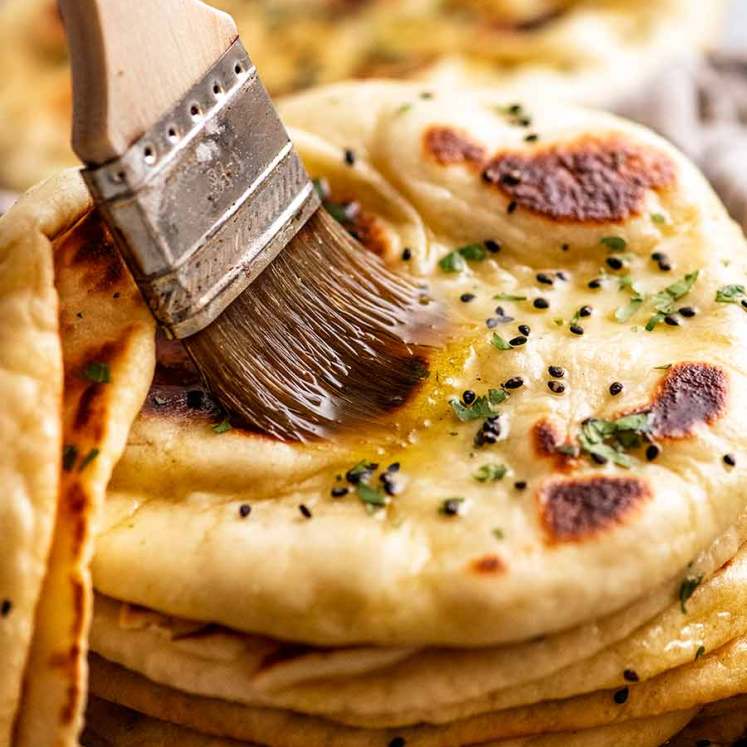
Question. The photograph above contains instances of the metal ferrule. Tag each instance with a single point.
(204, 201)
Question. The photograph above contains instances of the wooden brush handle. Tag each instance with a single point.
(132, 61)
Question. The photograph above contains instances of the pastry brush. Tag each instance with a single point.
(294, 326)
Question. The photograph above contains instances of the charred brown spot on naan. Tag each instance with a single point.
(691, 394)
(590, 180)
(577, 509)
(488, 565)
(448, 146)
(547, 441)
(90, 248)
(370, 231)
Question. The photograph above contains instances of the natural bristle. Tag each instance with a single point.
(327, 337)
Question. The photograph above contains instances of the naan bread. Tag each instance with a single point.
(447, 168)
(113, 726)
(400, 687)
(586, 50)
(31, 386)
(86, 422)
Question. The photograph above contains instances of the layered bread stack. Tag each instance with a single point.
(541, 546)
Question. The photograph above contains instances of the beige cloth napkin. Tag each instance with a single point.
(701, 106)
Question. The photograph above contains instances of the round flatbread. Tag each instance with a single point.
(581, 49)
(514, 515)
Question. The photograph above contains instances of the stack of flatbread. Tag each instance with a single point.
(592, 51)
(541, 546)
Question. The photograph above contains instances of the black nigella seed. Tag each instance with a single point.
(532, 137)
(672, 321)
(708, 743)
(630, 675)
(339, 492)
(665, 266)
(585, 311)
(614, 263)
(492, 246)
(398, 742)
(515, 342)
(468, 396)
(512, 207)
(407, 254)
(511, 179)
(541, 303)
(615, 388)
(687, 311)
(543, 277)
(652, 452)
(556, 387)
(730, 460)
(349, 157)
(467, 297)
(195, 398)
(393, 467)
(514, 382)
(557, 372)
(525, 329)
(595, 283)
(599, 458)
(565, 247)
(451, 507)
(491, 323)
(305, 511)
(387, 480)
(560, 275)
(520, 485)
(621, 695)
(658, 256)
(5, 607)
(576, 329)
(744, 303)
(245, 509)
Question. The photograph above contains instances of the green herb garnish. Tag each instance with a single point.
(730, 294)
(361, 471)
(614, 243)
(456, 261)
(221, 427)
(88, 458)
(663, 367)
(490, 473)
(498, 342)
(482, 407)
(97, 372)
(606, 440)
(663, 301)
(658, 218)
(509, 297)
(687, 589)
(498, 534)
(370, 496)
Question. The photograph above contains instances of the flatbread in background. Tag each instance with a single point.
(584, 50)
(105, 338)
(721, 724)
(109, 725)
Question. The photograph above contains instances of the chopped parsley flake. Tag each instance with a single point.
(606, 440)
(687, 589)
(664, 300)
(490, 473)
(221, 427)
(482, 407)
(370, 496)
(498, 342)
(730, 294)
(361, 471)
(456, 261)
(498, 534)
(658, 218)
(509, 297)
(614, 243)
(88, 458)
(97, 372)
